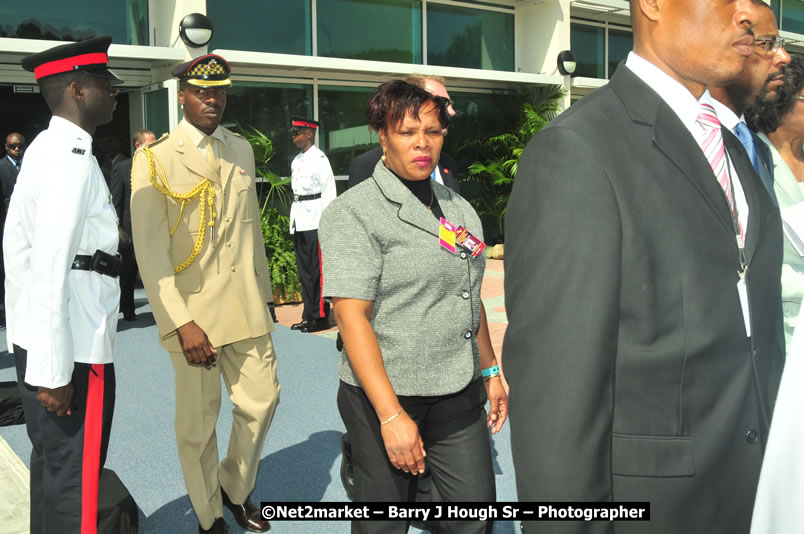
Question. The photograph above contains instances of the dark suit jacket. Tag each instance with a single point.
(632, 378)
(120, 187)
(8, 179)
(363, 165)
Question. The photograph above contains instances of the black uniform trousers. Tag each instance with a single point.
(69, 451)
(308, 261)
(128, 277)
(456, 439)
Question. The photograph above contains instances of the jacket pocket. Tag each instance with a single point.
(651, 456)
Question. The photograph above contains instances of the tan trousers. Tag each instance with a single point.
(249, 371)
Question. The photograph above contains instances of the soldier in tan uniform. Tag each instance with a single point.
(202, 260)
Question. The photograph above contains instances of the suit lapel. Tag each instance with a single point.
(227, 158)
(191, 156)
(411, 210)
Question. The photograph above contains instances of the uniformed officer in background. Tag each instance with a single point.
(313, 189)
(62, 290)
(201, 255)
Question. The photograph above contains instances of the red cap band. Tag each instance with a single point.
(305, 124)
(67, 64)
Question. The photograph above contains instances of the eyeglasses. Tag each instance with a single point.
(770, 44)
(15, 146)
(799, 97)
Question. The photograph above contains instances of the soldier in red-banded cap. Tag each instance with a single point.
(62, 290)
(199, 247)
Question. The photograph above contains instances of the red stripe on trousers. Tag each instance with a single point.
(93, 430)
(320, 284)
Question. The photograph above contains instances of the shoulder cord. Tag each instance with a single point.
(203, 191)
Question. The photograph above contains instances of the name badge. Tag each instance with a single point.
(470, 243)
(446, 235)
(742, 291)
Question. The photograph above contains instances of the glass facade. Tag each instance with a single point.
(589, 46)
(791, 13)
(125, 20)
(472, 38)
(344, 131)
(381, 30)
(279, 26)
(597, 58)
(268, 108)
(157, 112)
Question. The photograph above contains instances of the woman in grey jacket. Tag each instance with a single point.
(403, 263)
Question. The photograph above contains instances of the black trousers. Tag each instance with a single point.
(453, 428)
(308, 261)
(68, 451)
(128, 277)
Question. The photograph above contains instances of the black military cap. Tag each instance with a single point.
(88, 56)
(206, 71)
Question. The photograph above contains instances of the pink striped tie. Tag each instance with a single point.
(715, 152)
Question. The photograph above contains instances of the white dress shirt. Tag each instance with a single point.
(684, 104)
(61, 207)
(310, 174)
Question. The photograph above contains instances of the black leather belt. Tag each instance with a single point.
(100, 262)
(298, 198)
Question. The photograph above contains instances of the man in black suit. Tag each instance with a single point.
(9, 169)
(638, 366)
(445, 173)
(120, 187)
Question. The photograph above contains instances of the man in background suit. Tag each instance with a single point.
(638, 366)
(120, 187)
(445, 173)
(201, 255)
(763, 75)
(9, 169)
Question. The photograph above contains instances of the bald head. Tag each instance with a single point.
(15, 145)
(433, 85)
(698, 43)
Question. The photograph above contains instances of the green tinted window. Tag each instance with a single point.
(268, 108)
(620, 43)
(587, 42)
(381, 30)
(280, 26)
(125, 20)
(473, 38)
(344, 128)
(792, 16)
(157, 111)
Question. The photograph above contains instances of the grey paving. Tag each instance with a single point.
(301, 457)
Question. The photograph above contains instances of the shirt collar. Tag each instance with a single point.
(68, 128)
(197, 136)
(675, 95)
(726, 116)
(15, 162)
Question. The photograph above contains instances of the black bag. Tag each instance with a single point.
(117, 511)
(10, 405)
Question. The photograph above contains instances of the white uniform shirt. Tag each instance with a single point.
(310, 174)
(61, 207)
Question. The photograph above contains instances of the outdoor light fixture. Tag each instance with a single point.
(566, 62)
(195, 30)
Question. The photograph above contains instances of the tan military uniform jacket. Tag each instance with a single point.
(226, 288)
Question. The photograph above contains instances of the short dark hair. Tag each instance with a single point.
(393, 100)
(53, 87)
(766, 116)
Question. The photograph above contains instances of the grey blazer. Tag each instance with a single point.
(380, 243)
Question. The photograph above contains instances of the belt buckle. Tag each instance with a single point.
(295, 198)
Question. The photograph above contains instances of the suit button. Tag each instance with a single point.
(751, 436)
(465, 295)
(228, 219)
(234, 269)
(463, 255)
(229, 244)
(467, 334)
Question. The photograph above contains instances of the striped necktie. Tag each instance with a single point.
(711, 141)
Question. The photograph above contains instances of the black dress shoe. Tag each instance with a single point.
(316, 325)
(218, 527)
(300, 326)
(130, 316)
(247, 515)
